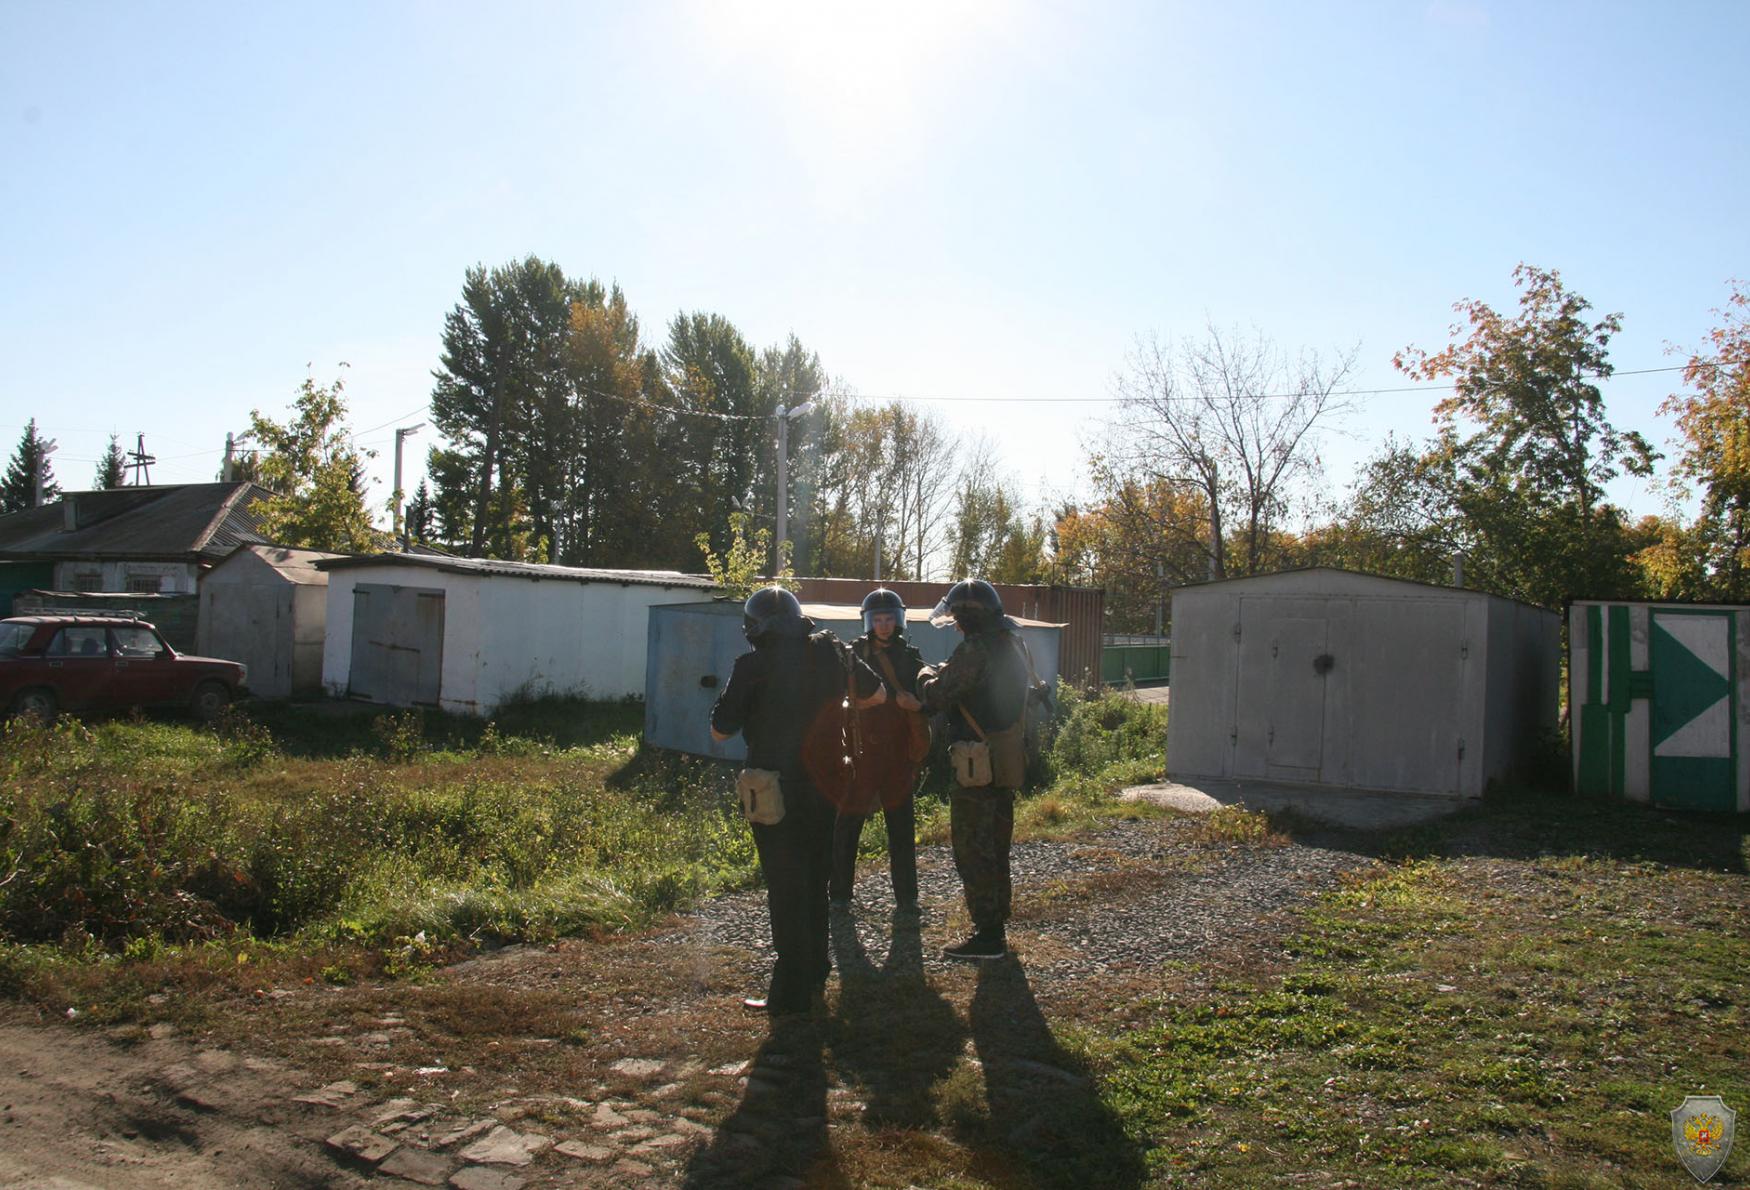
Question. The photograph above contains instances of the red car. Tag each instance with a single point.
(50, 663)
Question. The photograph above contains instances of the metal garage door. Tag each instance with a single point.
(397, 644)
(1280, 719)
(1354, 692)
(1694, 761)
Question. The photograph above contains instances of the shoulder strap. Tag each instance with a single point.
(972, 721)
(1027, 655)
(887, 668)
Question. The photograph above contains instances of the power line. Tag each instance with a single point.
(1348, 392)
(679, 410)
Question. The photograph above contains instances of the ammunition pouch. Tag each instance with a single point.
(762, 796)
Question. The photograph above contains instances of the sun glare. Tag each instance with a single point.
(854, 80)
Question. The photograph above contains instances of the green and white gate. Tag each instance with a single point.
(1658, 695)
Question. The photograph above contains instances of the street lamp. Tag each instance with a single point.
(401, 435)
(785, 417)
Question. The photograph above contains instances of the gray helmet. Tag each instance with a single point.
(771, 611)
(883, 600)
(971, 603)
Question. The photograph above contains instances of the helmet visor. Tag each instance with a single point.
(941, 617)
(896, 618)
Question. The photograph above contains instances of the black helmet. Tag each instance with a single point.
(883, 600)
(771, 611)
(971, 603)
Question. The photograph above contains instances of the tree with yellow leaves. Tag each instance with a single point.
(1713, 418)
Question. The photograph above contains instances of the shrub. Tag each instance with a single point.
(137, 835)
(1097, 730)
(402, 734)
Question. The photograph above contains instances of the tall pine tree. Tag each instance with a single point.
(30, 462)
(418, 522)
(112, 468)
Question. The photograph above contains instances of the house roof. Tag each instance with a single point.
(195, 521)
(525, 570)
(294, 566)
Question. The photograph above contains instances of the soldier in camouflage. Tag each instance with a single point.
(988, 677)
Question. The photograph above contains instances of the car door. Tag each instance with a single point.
(146, 673)
(78, 666)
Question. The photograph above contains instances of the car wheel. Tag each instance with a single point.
(209, 699)
(39, 701)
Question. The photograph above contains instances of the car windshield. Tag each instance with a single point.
(13, 638)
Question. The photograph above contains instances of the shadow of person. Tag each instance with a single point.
(777, 1134)
(891, 1033)
(1046, 1123)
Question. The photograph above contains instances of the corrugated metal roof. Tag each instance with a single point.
(913, 615)
(836, 612)
(528, 570)
(1341, 574)
(206, 520)
(295, 566)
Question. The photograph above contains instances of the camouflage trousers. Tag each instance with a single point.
(981, 823)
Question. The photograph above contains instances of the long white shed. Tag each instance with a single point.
(1329, 677)
(469, 634)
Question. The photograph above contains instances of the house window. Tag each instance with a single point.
(145, 583)
(88, 580)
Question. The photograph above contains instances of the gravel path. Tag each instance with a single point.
(1125, 899)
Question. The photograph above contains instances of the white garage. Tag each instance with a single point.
(1328, 677)
(469, 634)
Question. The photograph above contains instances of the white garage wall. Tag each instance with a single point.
(507, 635)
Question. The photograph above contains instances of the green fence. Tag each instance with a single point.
(1126, 661)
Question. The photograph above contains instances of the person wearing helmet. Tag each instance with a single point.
(773, 694)
(887, 734)
(985, 682)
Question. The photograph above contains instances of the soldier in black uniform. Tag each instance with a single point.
(988, 677)
(896, 661)
(772, 696)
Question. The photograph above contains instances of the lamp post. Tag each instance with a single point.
(401, 435)
(785, 417)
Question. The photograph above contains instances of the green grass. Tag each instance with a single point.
(1501, 1014)
(310, 828)
(125, 831)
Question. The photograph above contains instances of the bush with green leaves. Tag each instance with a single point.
(1093, 731)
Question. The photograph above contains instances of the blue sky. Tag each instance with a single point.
(944, 200)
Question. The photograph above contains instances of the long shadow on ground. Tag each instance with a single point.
(777, 1134)
(892, 1034)
(1047, 1126)
(1534, 824)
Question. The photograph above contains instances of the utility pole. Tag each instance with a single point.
(785, 417)
(1160, 596)
(401, 435)
(230, 449)
(142, 462)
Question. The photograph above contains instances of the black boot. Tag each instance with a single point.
(983, 946)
